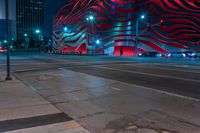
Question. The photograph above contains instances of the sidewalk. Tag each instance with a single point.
(22, 110)
(108, 106)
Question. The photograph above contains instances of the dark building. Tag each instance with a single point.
(30, 17)
(12, 19)
(50, 11)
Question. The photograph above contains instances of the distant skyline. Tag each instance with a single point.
(50, 8)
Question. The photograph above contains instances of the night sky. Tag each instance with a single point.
(51, 6)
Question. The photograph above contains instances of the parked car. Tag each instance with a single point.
(148, 54)
(178, 54)
(2, 49)
(167, 55)
(190, 54)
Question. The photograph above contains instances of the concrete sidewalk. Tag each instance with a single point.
(108, 106)
(23, 110)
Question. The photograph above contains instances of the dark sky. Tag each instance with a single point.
(51, 6)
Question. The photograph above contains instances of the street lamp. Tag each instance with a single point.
(37, 31)
(142, 16)
(26, 40)
(5, 41)
(39, 37)
(25, 35)
(90, 20)
(65, 29)
(149, 26)
(97, 42)
(91, 17)
(136, 33)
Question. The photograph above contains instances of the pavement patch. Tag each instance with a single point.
(152, 121)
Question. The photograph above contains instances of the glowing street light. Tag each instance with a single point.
(25, 35)
(142, 16)
(5, 41)
(97, 42)
(90, 18)
(37, 31)
(65, 28)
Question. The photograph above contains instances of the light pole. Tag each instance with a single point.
(8, 77)
(39, 37)
(90, 19)
(149, 26)
(26, 40)
(137, 34)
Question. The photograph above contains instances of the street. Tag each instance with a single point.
(115, 94)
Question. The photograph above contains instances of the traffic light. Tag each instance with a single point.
(148, 26)
(161, 22)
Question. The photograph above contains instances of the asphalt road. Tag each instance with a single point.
(114, 93)
(178, 76)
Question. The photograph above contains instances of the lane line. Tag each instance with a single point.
(149, 74)
(114, 88)
(62, 69)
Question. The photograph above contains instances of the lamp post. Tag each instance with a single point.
(149, 26)
(8, 77)
(90, 19)
(39, 37)
(137, 34)
(26, 40)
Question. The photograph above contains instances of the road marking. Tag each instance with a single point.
(149, 74)
(114, 88)
(62, 69)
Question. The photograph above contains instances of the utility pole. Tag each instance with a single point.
(8, 40)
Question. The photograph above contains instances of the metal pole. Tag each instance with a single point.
(8, 40)
(136, 38)
(92, 39)
(88, 34)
